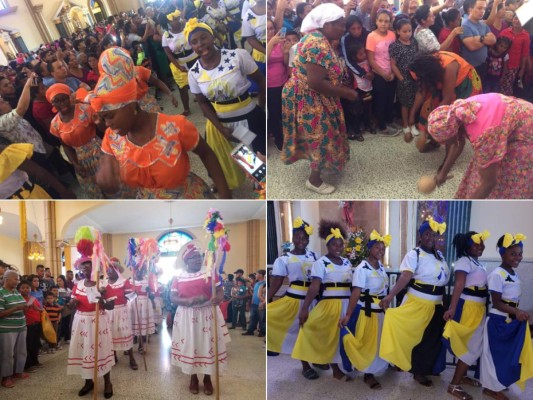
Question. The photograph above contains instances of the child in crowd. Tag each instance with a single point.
(293, 38)
(33, 327)
(377, 46)
(402, 53)
(496, 65)
(54, 313)
(239, 295)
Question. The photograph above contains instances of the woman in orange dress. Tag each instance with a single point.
(74, 126)
(443, 77)
(147, 151)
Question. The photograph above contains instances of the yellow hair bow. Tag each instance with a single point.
(193, 24)
(510, 240)
(386, 239)
(478, 237)
(175, 15)
(436, 227)
(335, 234)
(299, 222)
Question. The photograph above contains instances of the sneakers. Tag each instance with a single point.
(388, 132)
(248, 333)
(414, 130)
(394, 125)
(324, 188)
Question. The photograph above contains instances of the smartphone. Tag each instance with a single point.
(249, 161)
(283, 32)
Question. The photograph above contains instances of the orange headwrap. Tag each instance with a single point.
(54, 90)
(116, 87)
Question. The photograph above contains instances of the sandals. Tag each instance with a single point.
(423, 380)
(355, 136)
(343, 378)
(208, 388)
(469, 381)
(459, 392)
(323, 367)
(194, 386)
(371, 381)
(86, 389)
(108, 393)
(310, 374)
(495, 395)
(133, 365)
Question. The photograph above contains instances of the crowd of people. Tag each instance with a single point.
(336, 316)
(337, 70)
(77, 116)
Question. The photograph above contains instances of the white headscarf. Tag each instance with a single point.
(319, 15)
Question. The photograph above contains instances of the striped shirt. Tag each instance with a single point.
(15, 322)
(54, 311)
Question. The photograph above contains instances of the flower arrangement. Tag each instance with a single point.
(355, 249)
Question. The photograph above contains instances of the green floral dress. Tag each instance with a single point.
(313, 124)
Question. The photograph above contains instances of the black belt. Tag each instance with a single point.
(295, 296)
(236, 100)
(367, 298)
(476, 292)
(301, 283)
(510, 303)
(334, 297)
(427, 289)
(25, 186)
(337, 284)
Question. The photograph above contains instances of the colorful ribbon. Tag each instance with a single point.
(299, 223)
(436, 227)
(510, 240)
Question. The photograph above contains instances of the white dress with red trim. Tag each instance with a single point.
(82, 342)
(120, 317)
(193, 341)
(142, 310)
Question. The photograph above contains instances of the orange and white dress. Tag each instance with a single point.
(160, 169)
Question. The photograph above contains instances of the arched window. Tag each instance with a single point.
(169, 245)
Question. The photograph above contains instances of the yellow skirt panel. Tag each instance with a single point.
(222, 149)
(318, 339)
(459, 333)
(403, 328)
(258, 56)
(281, 315)
(526, 361)
(181, 78)
(362, 347)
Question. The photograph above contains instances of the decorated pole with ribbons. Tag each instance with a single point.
(215, 263)
(89, 244)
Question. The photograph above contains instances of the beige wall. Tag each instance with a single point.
(11, 251)
(262, 246)
(67, 211)
(23, 21)
(127, 5)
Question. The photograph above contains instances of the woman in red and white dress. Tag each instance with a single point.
(82, 341)
(193, 334)
(120, 317)
(142, 310)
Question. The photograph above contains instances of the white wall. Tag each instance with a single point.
(500, 217)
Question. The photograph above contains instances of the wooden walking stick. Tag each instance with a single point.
(96, 338)
(219, 240)
(140, 329)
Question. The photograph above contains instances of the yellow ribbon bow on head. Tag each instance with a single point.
(175, 15)
(377, 237)
(510, 240)
(436, 227)
(478, 237)
(335, 234)
(193, 24)
(299, 222)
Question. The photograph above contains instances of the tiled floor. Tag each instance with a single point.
(244, 378)
(379, 168)
(285, 381)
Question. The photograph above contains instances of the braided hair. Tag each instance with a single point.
(462, 243)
